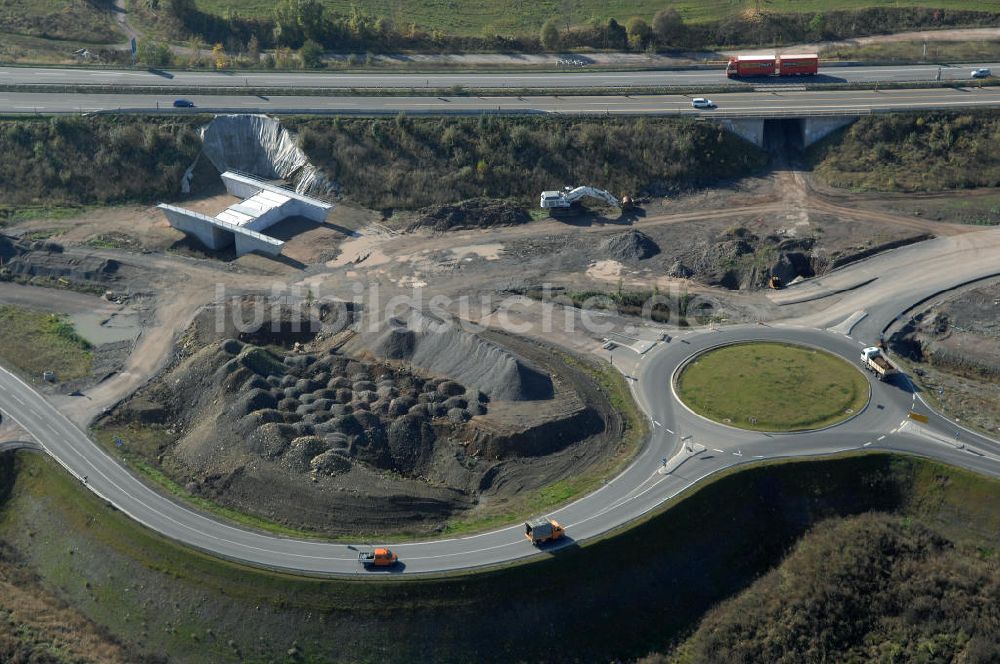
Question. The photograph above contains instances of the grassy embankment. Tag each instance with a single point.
(60, 20)
(482, 17)
(34, 342)
(411, 162)
(913, 51)
(912, 152)
(68, 161)
(387, 163)
(772, 387)
(160, 597)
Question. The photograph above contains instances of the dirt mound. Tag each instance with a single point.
(740, 260)
(632, 245)
(955, 348)
(473, 213)
(24, 260)
(443, 348)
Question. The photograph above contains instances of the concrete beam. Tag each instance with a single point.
(748, 130)
(207, 229)
(245, 187)
(817, 128)
(217, 234)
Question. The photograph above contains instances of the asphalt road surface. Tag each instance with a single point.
(511, 80)
(694, 447)
(744, 104)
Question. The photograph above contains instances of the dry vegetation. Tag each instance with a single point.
(913, 152)
(93, 160)
(870, 588)
(412, 162)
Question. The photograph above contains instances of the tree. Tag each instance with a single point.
(253, 49)
(817, 25)
(616, 35)
(219, 58)
(311, 54)
(550, 35)
(668, 26)
(639, 33)
(153, 53)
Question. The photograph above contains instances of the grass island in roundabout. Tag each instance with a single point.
(772, 386)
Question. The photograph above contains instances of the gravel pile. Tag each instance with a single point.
(443, 348)
(632, 245)
(473, 213)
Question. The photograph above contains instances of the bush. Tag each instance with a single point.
(913, 152)
(417, 162)
(94, 160)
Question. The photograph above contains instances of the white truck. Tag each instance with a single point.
(875, 361)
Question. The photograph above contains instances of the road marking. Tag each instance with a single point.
(657, 423)
(882, 437)
(867, 444)
(668, 431)
(715, 449)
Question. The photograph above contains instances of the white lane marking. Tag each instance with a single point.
(657, 423)
(867, 444)
(881, 437)
(668, 431)
(715, 449)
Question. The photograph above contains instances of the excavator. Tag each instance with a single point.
(567, 197)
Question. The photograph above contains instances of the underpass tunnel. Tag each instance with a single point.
(784, 135)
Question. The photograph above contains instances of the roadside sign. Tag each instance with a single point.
(918, 417)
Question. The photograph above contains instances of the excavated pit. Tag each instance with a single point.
(260, 146)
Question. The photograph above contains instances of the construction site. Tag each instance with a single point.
(305, 424)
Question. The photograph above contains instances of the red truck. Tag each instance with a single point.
(741, 66)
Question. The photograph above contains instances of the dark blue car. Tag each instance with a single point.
(183, 103)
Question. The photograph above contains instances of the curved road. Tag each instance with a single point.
(642, 487)
(12, 76)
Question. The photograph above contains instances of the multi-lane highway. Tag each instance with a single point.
(643, 486)
(742, 104)
(500, 80)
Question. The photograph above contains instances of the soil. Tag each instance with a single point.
(474, 213)
(301, 433)
(954, 345)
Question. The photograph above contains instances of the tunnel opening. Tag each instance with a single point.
(784, 136)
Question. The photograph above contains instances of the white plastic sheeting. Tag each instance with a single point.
(260, 146)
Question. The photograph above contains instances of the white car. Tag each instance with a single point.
(982, 72)
(701, 102)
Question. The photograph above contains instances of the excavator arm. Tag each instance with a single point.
(565, 199)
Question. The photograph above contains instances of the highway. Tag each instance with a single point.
(737, 104)
(708, 76)
(883, 425)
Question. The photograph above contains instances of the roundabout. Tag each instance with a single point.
(683, 450)
(771, 386)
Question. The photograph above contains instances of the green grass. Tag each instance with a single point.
(60, 19)
(34, 342)
(766, 386)
(913, 51)
(523, 17)
(19, 214)
(176, 600)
